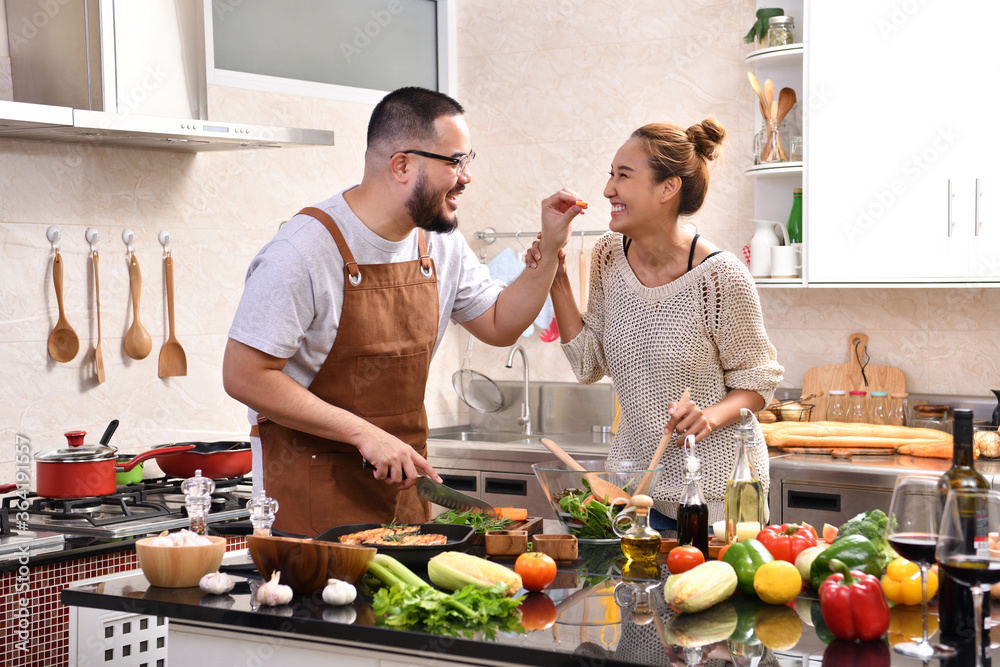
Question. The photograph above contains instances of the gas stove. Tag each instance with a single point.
(150, 506)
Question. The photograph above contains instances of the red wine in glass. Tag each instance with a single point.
(972, 570)
(916, 547)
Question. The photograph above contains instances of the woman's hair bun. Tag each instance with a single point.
(707, 138)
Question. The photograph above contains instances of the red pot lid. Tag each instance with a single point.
(77, 451)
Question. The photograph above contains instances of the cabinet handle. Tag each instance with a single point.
(463, 483)
(505, 487)
(951, 195)
(978, 195)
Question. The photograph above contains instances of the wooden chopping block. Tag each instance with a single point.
(849, 377)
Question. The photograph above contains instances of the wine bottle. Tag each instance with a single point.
(692, 514)
(744, 492)
(955, 608)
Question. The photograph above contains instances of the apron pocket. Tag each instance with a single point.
(342, 492)
(390, 385)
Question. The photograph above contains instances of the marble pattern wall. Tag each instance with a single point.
(552, 89)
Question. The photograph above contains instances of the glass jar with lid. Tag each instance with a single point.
(880, 408)
(780, 31)
(836, 407)
(857, 412)
(898, 405)
(932, 416)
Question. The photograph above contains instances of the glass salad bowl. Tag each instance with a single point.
(580, 512)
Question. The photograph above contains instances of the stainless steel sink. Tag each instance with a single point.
(478, 435)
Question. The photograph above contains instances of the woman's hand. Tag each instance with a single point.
(688, 419)
(534, 255)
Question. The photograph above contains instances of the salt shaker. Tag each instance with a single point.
(262, 511)
(197, 499)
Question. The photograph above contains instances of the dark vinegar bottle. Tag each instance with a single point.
(692, 513)
(955, 607)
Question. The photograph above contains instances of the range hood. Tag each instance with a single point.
(122, 73)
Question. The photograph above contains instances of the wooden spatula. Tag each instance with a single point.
(98, 354)
(173, 361)
(600, 487)
(647, 479)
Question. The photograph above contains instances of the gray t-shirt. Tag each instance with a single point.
(294, 290)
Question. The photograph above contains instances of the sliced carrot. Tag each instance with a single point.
(581, 203)
(512, 513)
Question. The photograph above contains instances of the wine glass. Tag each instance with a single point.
(963, 546)
(912, 530)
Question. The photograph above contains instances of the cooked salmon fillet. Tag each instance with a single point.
(365, 536)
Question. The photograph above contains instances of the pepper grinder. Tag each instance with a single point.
(197, 499)
(262, 511)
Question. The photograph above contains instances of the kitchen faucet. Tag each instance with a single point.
(525, 420)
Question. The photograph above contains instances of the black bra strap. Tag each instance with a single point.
(626, 242)
(694, 242)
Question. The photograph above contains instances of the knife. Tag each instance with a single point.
(445, 496)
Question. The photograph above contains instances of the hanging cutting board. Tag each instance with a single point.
(851, 376)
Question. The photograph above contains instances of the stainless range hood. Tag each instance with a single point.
(123, 73)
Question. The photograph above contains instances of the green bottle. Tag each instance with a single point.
(795, 217)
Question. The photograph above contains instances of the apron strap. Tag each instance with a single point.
(425, 258)
(338, 237)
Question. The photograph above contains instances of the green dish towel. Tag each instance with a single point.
(759, 29)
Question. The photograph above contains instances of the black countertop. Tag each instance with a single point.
(589, 623)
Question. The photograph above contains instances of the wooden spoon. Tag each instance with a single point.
(600, 487)
(173, 361)
(760, 96)
(768, 91)
(98, 354)
(647, 479)
(63, 341)
(786, 100)
(138, 344)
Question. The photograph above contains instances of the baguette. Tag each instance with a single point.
(843, 435)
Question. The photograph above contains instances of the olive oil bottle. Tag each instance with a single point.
(639, 542)
(744, 491)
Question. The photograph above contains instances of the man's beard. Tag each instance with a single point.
(427, 210)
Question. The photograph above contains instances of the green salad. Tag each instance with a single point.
(585, 515)
(481, 522)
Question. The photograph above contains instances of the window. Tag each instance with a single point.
(354, 50)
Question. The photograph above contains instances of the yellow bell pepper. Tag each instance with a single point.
(901, 583)
(906, 624)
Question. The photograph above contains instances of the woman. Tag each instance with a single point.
(667, 311)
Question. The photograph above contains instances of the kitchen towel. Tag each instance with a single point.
(506, 267)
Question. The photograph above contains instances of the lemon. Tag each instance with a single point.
(777, 582)
(778, 628)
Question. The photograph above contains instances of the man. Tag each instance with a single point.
(343, 309)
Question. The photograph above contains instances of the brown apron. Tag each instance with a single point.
(377, 369)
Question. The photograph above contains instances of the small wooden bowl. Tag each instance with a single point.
(305, 565)
(506, 542)
(179, 567)
(559, 547)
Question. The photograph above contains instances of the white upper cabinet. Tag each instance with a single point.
(901, 175)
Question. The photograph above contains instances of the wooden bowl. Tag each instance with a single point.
(506, 542)
(305, 565)
(559, 547)
(179, 567)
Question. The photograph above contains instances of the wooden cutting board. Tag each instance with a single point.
(531, 525)
(849, 376)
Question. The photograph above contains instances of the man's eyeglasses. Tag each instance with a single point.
(461, 162)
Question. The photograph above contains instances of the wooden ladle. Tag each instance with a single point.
(786, 100)
(601, 487)
(137, 342)
(173, 361)
(63, 341)
(647, 479)
(98, 354)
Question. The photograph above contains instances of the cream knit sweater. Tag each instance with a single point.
(704, 331)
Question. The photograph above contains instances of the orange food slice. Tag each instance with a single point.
(581, 203)
(512, 513)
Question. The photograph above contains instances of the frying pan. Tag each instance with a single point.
(217, 460)
(475, 389)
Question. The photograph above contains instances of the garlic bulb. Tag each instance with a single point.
(182, 538)
(338, 593)
(161, 540)
(216, 583)
(272, 593)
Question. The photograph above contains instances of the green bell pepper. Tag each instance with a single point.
(747, 608)
(855, 551)
(746, 557)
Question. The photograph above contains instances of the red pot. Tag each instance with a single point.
(217, 460)
(80, 471)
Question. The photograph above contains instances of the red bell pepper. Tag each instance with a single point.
(787, 541)
(853, 604)
(853, 654)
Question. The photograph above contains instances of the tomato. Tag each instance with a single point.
(538, 611)
(682, 559)
(722, 551)
(537, 570)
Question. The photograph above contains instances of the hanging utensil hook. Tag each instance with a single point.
(93, 238)
(165, 239)
(54, 236)
(128, 237)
